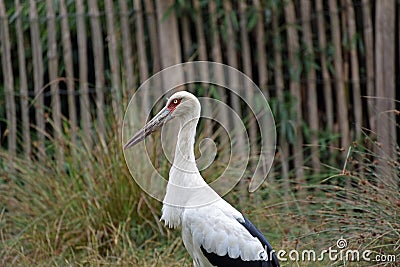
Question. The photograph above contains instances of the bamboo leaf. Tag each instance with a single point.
(252, 18)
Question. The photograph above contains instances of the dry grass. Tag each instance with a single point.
(89, 212)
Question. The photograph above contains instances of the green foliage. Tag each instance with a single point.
(285, 114)
(252, 17)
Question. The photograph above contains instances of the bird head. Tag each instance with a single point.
(180, 105)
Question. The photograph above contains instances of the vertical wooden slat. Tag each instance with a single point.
(188, 53)
(355, 77)
(128, 74)
(186, 39)
(232, 59)
(116, 95)
(244, 40)
(312, 105)
(187, 44)
(141, 50)
(234, 83)
(170, 48)
(386, 89)
(216, 54)
(202, 51)
(69, 65)
(8, 76)
(345, 56)
(98, 53)
(230, 40)
(53, 79)
(151, 19)
(23, 83)
(339, 79)
(216, 42)
(261, 57)
(247, 69)
(294, 69)
(369, 58)
(280, 93)
(168, 36)
(141, 46)
(83, 71)
(37, 78)
(327, 86)
(201, 39)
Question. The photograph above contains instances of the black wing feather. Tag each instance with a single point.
(224, 261)
(256, 233)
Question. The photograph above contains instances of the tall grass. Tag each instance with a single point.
(89, 212)
(367, 213)
(84, 211)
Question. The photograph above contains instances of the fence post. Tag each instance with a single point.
(116, 90)
(8, 83)
(280, 94)
(355, 77)
(151, 18)
(23, 84)
(83, 71)
(38, 101)
(69, 71)
(216, 55)
(247, 69)
(128, 74)
(294, 84)
(327, 82)
(262, 65)
(386, 90)
(312, 105)
(53, 79)
(141, 50)
(369, 59)
(343, 117)
(98, 53)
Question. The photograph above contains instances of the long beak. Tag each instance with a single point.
(154, 124)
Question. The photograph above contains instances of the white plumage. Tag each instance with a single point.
(213, 232)
(216, 228)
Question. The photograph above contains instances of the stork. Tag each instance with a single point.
(215, 234)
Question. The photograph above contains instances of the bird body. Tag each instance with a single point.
(216, 230)
(213, 232)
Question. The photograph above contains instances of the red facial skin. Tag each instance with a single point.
(172, 106)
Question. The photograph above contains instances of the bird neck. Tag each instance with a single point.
(186, 187)
(183, 175)
(184, 159)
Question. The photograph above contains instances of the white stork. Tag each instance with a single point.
(215, 234)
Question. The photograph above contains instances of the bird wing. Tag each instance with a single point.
(225, 237)
(253, 230)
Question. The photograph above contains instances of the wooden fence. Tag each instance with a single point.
(330, 66)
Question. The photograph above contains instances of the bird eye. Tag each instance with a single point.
(174, 103)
